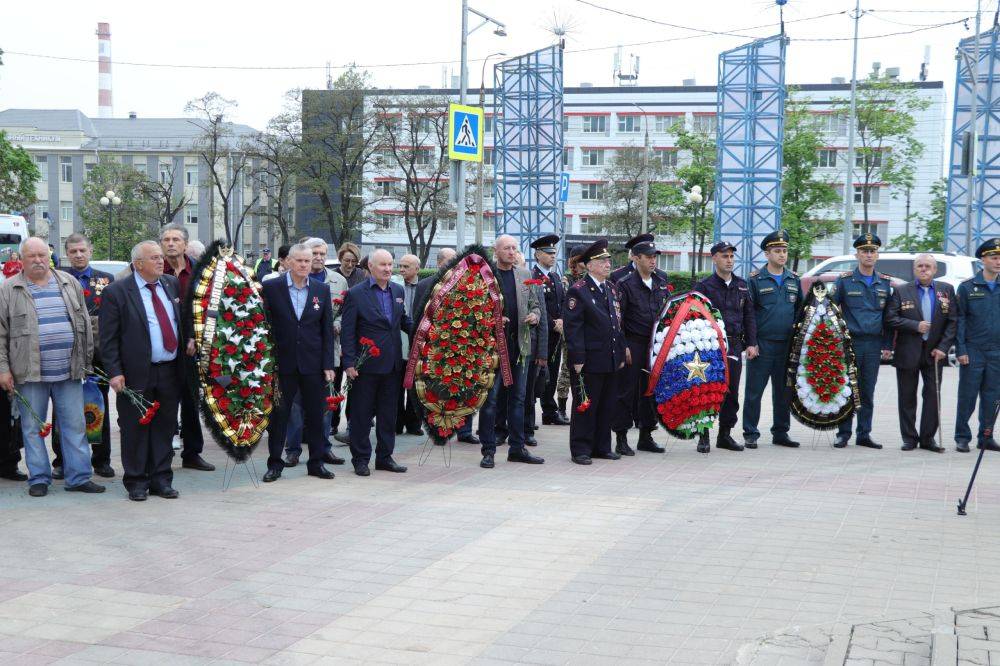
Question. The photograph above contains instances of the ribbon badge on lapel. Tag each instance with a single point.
(315, 302)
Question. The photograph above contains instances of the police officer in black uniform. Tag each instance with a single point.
(863, 295)
(776, 294)
(641, 296)
(977, 343)
(731, 296)
(596, 351)
(555, 295)
(623, 272)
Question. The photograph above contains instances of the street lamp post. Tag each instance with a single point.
(479, 178)
(645, 170)
(463, 84)
(109, 201)
(694, 199)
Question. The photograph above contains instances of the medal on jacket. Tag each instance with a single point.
(315, 303)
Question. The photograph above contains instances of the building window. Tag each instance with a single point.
(629, 123)
(388, 157)
(593, 156)
(826, 158)
(487, 189)
(487, 124)
(190, 176)
(668, 262)
(424, 157)
(425, 125)
(874, 159)
(867, 228)
(140, 167)
(66, 169)
(871, 194)
(164, 173)
(41, 212)
(357, 188)
(707, 124)
(487, 156)
(595, 124)
(834, 123)
(42, 162)
(591, 224)
(567, 157)
(592, 191)
(191, 214)
(384, 188)
(88, 168)
(565, 123)
(667, 158)
(665, 123)
(65, 211)
(385, 221)
(393, 124)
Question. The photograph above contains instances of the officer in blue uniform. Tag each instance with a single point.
(641, 296)
(596, 351)
(776, 294)
(555, 295)
(731, 296)
(623, 272)
(977, 344)
(863, 295)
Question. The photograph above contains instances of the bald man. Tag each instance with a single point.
(375, 309)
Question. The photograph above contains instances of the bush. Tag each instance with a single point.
(682, 280)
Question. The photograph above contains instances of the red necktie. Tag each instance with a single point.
(166, 328)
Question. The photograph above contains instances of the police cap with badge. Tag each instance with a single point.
(722, 246)
(775, 239)
(546, 244)
(596, 250)
(642, 244)
(867, 241)
(990, 247)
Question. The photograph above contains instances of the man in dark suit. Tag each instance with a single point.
(924, 315)
(141, 343)
(555, 294)
(374, 309)
(78, 253)
(300, 313)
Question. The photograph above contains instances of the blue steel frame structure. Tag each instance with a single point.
(986, 183)
(751, 120)
(528, 145)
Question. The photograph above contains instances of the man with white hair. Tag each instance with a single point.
(374, 310)
(44, 309)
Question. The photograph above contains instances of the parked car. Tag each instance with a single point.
(952, 268)
(113, 267)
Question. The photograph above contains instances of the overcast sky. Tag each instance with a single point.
(388, 32)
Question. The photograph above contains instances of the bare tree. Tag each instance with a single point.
(274, 157)
(228, 162)
(414, 139)
(159, 194)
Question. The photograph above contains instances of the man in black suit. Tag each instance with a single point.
(374, 309)
(79, 252)
(300, 313)
(141, 343)
(925, 318)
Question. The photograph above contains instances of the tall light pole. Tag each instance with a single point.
(694, 200)
(109, 201)
(851, 126)
(479, 176)
(463, 84)
(645, 171)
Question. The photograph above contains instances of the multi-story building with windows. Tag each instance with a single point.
(599, 122)
(66, 145)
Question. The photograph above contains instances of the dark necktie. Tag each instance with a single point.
(166, 328)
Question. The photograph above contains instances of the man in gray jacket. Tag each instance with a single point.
(44, 309)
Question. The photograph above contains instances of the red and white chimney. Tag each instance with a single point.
(104, 70)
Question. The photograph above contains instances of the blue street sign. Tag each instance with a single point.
(564, 187)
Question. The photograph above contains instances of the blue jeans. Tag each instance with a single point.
(508, 400)
(293, 436)
(67, 401)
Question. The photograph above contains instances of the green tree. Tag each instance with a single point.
(697, 168)
(622, 207)
(887, 148)
(929, 235)
(129, 223)
(802, 194)
(18, 176)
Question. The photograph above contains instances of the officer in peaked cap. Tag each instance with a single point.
(863, 295)
(776, 295)
(977, 345)
(596, 351)
(555, 295)
(641, 297)
(642, 240)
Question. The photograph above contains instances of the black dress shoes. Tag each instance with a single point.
(582, 460)
(931, 446)
(703, 444)
(869, 443)
(750, 444)
(908, 446)
(790, 443)
(105, 471)
(487, 461)
(272, 475)
(962, 447)
(138, 494)
(57, 473)
(198, 463)
(166, 493)
(554, 419)
(415, 431)
(38, 490)
(724, 441)
(362, 470)
(291, 460)
(621, 444)
(321, 473)
(330, 459)
(389, 465)
(530, 440)
(469, 439)
(522, 456)
(646, 443)
(840, 442)
(86, 487)
(988, 445)
(611, 455)
(14, 475)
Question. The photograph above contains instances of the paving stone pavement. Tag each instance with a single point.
(679, 558)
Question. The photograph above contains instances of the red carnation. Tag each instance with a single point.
(228, 316)
(45, 430)
(230, 290)
(245, 392)
(218, 391)
(230, 349)
(451, 405)
(86, 293)
(583, 406)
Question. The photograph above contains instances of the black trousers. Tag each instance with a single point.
(537, 376)
(590, 431)
(374, 395)
(194, 441)
(338, 382)
(147, 449)
(548, 395)
(100, 454)
(633, 405)
(729, 413)
(311, 390)
(407, 411)
(907, 380)
(10, 437)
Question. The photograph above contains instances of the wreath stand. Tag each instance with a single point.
(230, 472)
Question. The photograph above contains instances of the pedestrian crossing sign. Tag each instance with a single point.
(465, 133)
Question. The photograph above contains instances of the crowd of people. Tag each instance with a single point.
(585, 334)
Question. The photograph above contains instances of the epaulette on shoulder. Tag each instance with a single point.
(847, 274)
(885, 277)
(581, 283)
(754, 273)
(794, 274)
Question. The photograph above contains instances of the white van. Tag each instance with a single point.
(13, 230)
(952, 268)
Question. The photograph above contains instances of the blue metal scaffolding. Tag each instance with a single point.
(528, 143)
(751, 120)
(985, 204)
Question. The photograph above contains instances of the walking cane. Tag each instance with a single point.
(975, 470)
(937, 393)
